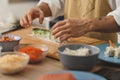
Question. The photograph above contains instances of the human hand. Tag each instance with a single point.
(70, 28)
(30, 15)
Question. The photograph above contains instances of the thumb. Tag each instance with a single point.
(41, 17)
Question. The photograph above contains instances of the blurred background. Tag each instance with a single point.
(15, 7)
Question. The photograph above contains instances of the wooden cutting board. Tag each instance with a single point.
(28, 38)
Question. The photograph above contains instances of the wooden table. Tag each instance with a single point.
(33, 71)
(28, 38)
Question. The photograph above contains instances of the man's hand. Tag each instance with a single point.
(31, 14)
(39, 12)
(78, 27)
(71, 28)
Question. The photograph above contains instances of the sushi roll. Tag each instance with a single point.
(44, 34)
(110, 51)
(117, 52)
(41, 33)
(52, 38)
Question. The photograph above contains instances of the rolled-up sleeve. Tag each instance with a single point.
(116, 15)
(56, 7)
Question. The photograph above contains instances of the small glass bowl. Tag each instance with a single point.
(33, 50)
(13, 62)
(9, 45)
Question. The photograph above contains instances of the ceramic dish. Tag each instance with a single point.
(77, 62)
(82, 75)
(104, 58)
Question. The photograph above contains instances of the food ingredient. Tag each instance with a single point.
(59, 76)
(35, 54)
(112, 50)
(44, 34)
(78, 52)
(6, 38)
(12, 63)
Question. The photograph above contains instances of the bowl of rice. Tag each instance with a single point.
(78, 56)
(13, 62)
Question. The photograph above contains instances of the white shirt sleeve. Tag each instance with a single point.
(116, 15)
(56, 7)
(116, 11)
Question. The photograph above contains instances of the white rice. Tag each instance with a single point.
(78, 52)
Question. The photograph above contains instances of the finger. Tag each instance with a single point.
(25, 21)
(65, 38)
(21, 22)
(29, 19)
(60, 28)
(41, 17)
(62, 32)
(60, 23)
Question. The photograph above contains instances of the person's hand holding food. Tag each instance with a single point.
(39, 12)
(70, 28)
